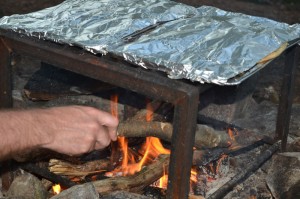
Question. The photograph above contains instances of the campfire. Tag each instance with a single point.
(138, 161)
(168, 139)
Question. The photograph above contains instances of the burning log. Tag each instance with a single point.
(200, 158)
(134, 183)
(68, 169)
(206, 137)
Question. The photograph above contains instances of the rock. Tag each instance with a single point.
(27, 186)
(295, 145)
(124, 194)
(284, 175)
(84, 191)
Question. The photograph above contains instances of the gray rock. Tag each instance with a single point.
(27, 186)
(124, 194)
(84, 191)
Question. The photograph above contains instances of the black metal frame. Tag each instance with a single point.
(184, 96)
(287, 94)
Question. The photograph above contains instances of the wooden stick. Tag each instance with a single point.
(135, 183)
(68, 169)
(45, 173)
(206, 137)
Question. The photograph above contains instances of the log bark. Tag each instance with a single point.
(68, 169)
(134, 183)
(206, 137)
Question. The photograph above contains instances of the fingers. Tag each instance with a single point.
(112, 133)
(109, 121)
(89, 128)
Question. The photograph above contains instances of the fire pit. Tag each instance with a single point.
(183, 94)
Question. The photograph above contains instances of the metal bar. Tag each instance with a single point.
(5, 102)
(183, 138)
(5, 79)
(102, 68)
(286, 95)
(184, 96)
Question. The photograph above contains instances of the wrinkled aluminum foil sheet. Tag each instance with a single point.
(204, 44)
(95, 24)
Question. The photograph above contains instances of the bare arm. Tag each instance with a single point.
(71, 130)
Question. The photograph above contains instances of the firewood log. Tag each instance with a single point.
(68, 169)
(134, 183)
(205, 137)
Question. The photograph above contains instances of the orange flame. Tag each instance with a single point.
(150, 150)
(193, 175)
(231, 134)
(56, 189)
(114, 105)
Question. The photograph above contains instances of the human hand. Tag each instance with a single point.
(75, 130)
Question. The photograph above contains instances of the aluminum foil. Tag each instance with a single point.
(202, 44)
(213, 47)
(95, 24)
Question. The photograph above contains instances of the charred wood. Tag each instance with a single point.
(266, 155)
(45, 173)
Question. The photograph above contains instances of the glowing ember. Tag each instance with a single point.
(193, 175)
(56, 189)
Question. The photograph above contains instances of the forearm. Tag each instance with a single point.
(19, 131)
(71, 130)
